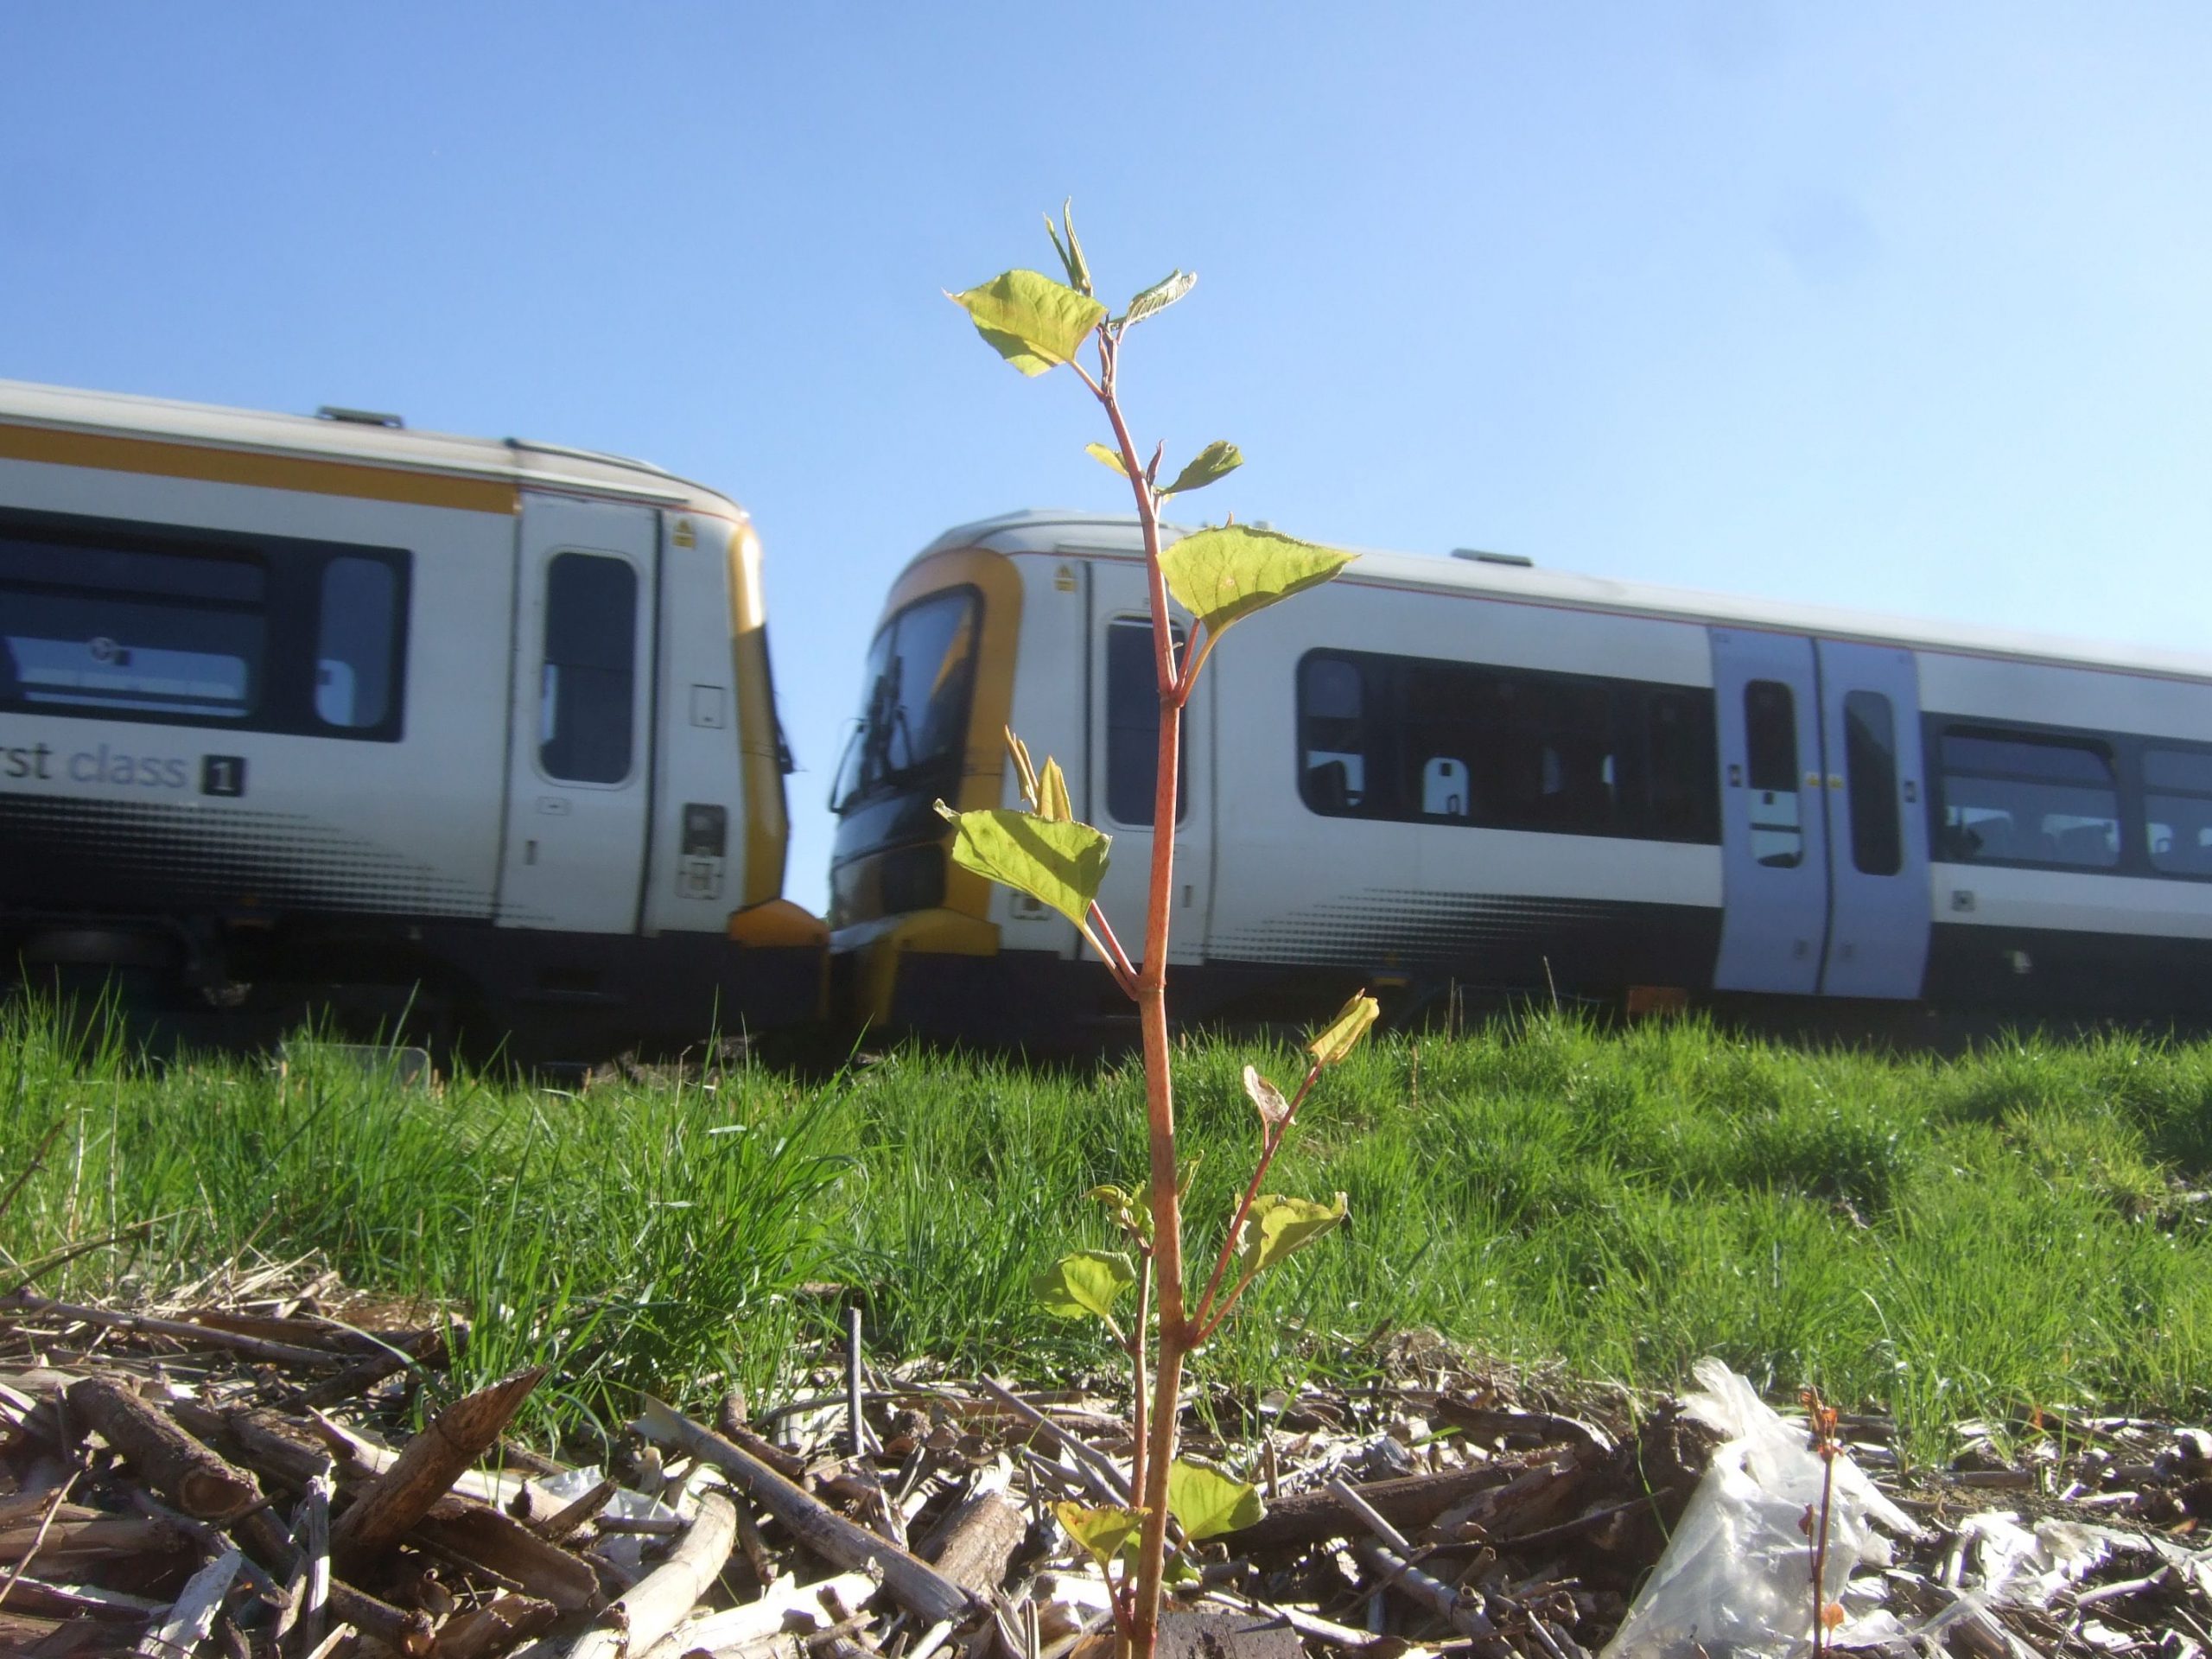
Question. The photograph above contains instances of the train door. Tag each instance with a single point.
(1824, 848)
(1124, 729)
(1774, 827)
(579, 755)
(1878, 829)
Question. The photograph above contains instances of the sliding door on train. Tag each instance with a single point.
(1124, 700)
(1824, 837)
(578, 768)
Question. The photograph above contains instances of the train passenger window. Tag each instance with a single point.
(355, 637)
(1680, 781)
(2177, 808)
(108, 628)
(1870, 765)
(1423, 741)
(1771, 768)
(1132, 724)
(2021, 797)
(588, 681)
(1333, 736)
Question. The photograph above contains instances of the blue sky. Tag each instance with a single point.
(1893, 305)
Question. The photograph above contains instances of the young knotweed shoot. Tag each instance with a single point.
(1219, 575)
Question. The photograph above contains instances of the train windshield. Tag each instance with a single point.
(912, 728)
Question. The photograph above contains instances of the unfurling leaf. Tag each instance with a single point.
(1274, 1109)
(1030, 320)
(1223, 574)
(1208, 1502)
(1342, 1034)
(1161, 294)
(1024, 772)
(1053, 794)
(1046, 792)
(1278, 1225)
(1216, 461)
(1132, 1210)
(1059, 864)
(1084, 1281)
(1105, 1531)
(1071, 250)
(1106, 457)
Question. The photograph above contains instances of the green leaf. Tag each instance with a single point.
(1215, 462)
(1085, 1282)
(1208, 1502)
(1105, 1531)
(1342, 1034)
(1132, 1210)
(1106, 457)
(1277, 1226)
(1030, 320)
(1161, 294)
(1059, 864)
(1223, 575)
(1274, 1109)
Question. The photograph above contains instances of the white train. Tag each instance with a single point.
(1464, 771)
(482, 728)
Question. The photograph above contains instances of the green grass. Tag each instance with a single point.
(1940, 1238)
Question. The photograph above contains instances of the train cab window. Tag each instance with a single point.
(913, 723)
(1870, 765)
(1771, 768)
(1333, 736)
(131, 630)
(1133, 726)
(2178, 809)
(588, 681)
(2021, 798)
(359, 621)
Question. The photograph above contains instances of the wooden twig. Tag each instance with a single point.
(403, 1495)
(562, 1522)
(194, 1615)
(480, 1535)
(310, 1580)
(1464, 1613)
(1410, 1501)
(915, 1585)
(501, 1623)
(23, 1302)
(1105, 1479)
(656, 1603)
(198, 1481)
(976, 1541)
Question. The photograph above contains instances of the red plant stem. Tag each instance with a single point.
(1159, 1094)
(1269, 1145)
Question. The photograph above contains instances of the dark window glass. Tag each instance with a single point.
(1425, 740)
(86, 627)
(1333, 737)
(353, 648)
(1133, 726)
(912, 730)
(1771, 759)
(2178, 809)
(589, 679)
(2018, 797)
(1870, 763)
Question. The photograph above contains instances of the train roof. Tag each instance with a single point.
(355, 436)
(1048, 530)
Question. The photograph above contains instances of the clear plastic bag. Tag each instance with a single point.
(1736, 1577)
